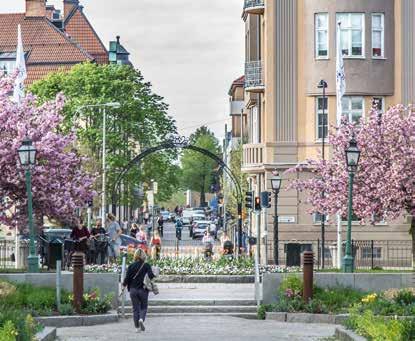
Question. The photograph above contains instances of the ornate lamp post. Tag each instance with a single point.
(27, 156)
(276, 182)
(352, 160)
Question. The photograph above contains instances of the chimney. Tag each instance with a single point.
(68, 6)
(35, 8)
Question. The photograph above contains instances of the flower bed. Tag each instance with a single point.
(387, 316)
(198, 266)
(19, 303)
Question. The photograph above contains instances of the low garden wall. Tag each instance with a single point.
(107, 283)
(371, 282)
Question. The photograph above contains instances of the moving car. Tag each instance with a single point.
(199, 228)
(187, 217)
(165, 215)
(199, 212)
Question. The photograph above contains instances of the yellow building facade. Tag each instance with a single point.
(290, 47)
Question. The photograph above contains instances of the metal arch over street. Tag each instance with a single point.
(181, 142)
(178, 142)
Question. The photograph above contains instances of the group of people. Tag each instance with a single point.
(104, 241)
(99, 242)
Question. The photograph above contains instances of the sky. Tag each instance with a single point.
(190, 50)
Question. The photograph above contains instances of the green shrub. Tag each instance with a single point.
(408, 332)
(8, 332)
(262, 309)
(93, 303)
(21, 320)
(404, 297)
(337, 300)
(378, 328)
(66, 309)
(291, 284)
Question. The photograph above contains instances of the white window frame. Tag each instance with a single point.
(318, 112)
(350, 111)
(382, 38)
(348, 27)
(318, 220)
(322, 29)
(7, 66)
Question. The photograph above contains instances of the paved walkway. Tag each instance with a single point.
(200, 328)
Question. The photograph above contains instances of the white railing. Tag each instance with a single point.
(8, 254)
(254, 75)
(253, 155)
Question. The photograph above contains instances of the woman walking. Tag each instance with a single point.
(134, 281)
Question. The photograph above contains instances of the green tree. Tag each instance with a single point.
(197, 169)
(235, 161)
(142, 121)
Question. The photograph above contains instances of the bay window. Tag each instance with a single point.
(352, 34)
(322, 35)
(378, 35)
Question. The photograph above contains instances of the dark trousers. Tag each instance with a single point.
(139, 298)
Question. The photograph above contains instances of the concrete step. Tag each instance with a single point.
(181, 302)
(196, 309)
(250, 316)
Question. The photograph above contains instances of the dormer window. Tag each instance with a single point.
(56, 15)
(7, 62)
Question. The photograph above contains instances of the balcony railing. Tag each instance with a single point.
(253, 155)
(254, 6)
(254, 76)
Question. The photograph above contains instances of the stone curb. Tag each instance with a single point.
(306, 317)
(77, 320)
(347, 335)
(47, 334)
(206, 279)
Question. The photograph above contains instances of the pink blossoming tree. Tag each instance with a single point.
(59, 182)
(384, 186)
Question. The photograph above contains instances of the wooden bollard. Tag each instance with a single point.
(308, 268)
(78, 280)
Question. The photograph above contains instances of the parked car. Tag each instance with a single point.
(201, 226)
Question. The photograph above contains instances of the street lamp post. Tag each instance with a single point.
(352, 159)
(114, 105)
(27, 156)
(323, 85)
(276, 186)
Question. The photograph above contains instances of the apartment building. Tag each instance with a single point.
(290, 47)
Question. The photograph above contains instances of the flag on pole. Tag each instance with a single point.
(340, 90)
(340, 75)
(20, 68)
